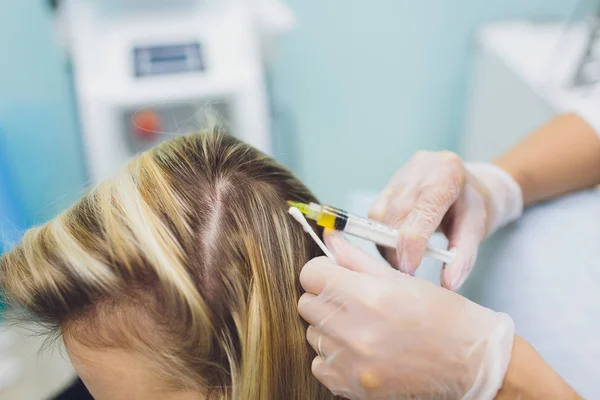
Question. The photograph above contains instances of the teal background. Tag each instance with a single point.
(364, 84)
(37, 114)
(38, 127)
(371, 82)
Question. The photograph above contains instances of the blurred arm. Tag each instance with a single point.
(563, 156)
(530, 377)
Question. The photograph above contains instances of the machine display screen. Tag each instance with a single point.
(170, 59)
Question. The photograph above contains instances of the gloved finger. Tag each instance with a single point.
(416, 232)
(337, 284)
(400, 205)
(454, 275)
(317, 310)
(317, 273)
(330, 378)
(349, 290)
(465, 233)
(430, 208)
(323, 344)
(398, 208)
(354, 258)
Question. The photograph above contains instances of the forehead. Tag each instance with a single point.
(118, 374)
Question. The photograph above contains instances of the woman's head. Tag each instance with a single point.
(178, 278)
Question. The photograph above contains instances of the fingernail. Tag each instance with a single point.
(403, 256)
(457, 282)
(461, 268)
(403, 262)
(377, 211)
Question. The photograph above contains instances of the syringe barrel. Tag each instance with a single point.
(387, 236)
(370, 230)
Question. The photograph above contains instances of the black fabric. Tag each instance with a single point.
(76, 391)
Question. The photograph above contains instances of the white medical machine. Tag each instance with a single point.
(145, 70)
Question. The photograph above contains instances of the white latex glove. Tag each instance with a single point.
(381, 334)
(436, 191)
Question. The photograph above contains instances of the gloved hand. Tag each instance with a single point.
(381, 334)
(435, 190)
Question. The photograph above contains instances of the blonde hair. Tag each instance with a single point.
(189, 258)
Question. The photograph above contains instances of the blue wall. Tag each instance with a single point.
(367, 82)
(37, 116)
(371, 82)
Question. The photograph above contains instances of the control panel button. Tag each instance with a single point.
(146, 125)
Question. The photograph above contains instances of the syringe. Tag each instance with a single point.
(368, 229)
